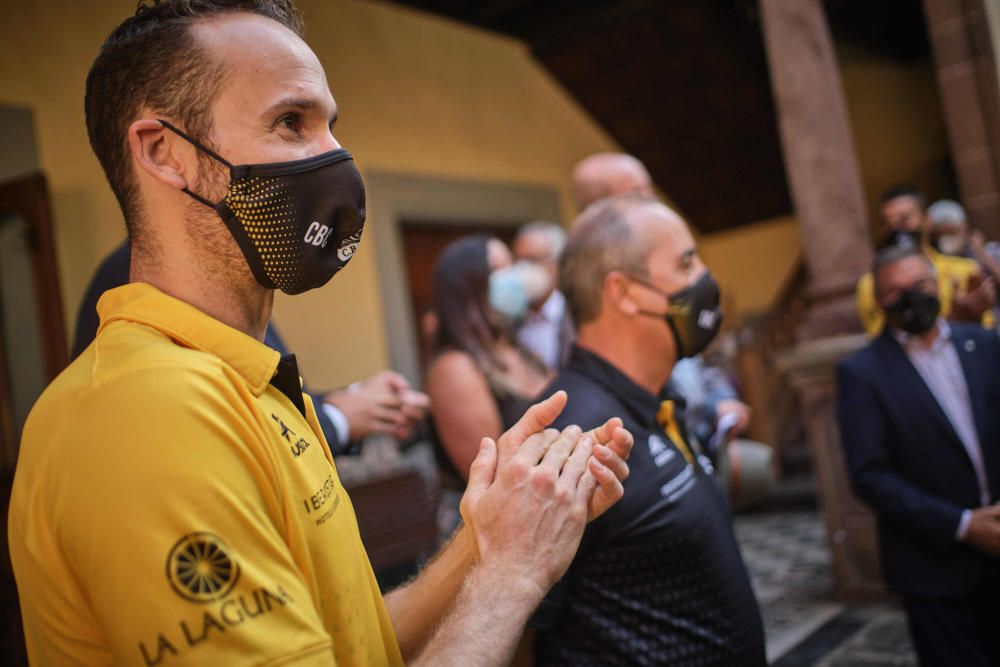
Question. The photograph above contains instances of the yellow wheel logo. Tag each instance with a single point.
(200, 567)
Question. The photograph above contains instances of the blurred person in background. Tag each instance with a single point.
(711, 399)
(965, 293)
(382, 403)
(480, 379)
(717, 419)
(608, 174)
(949, 228)
(547, 329)
(919, 416)
(660, 580)
(952, 235)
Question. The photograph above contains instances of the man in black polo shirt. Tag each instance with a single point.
(659, 579)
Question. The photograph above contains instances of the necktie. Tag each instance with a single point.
(665, 418)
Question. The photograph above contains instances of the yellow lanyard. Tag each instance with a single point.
(665, 418)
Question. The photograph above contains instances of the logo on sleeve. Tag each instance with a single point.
(200, 567)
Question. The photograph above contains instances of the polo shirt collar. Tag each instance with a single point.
(636, 399)
(144, 304)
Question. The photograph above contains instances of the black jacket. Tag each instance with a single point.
(907, 462)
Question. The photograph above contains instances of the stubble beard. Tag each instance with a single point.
(221, 264)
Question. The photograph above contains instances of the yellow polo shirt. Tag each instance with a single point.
(172, 506)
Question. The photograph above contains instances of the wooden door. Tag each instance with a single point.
(32, 352)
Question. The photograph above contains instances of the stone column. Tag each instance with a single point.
(850, 525)
(825, 183)
(823, 173)
(960, 33)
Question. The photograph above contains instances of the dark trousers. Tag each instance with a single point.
(963, 632)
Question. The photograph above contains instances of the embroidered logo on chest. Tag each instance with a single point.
(660, 451)
(297, 445)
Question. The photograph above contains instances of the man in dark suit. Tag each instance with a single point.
(382, 403)
(919, 413)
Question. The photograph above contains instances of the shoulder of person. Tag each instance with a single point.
(134, 404)
(975, 332)
(157, 428)
(589, 403)
(865, 285)
(864, 296)
(859, 362)
(453, 363)
(951, 266)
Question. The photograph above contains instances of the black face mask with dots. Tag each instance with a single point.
(693, 314)
(297, 223)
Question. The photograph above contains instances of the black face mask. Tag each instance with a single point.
(902, 238)
(297, 223)
(693, 314)
(914, 311)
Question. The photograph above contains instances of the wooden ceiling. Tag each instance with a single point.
(681, 84)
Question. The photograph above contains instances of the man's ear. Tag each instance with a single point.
(618, 294)
(156, 150)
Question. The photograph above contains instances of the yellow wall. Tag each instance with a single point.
(418, 95)
(751, 263)
(896, 117)
(899, 136)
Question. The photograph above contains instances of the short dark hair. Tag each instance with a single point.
(152, 59)
(892, 254)
(904, 190)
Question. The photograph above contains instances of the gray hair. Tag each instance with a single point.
(892, 254)
(601, 241)
(555, 236)
(946, 212)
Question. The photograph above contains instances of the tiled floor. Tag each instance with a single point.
(882, 640)
(791, 572)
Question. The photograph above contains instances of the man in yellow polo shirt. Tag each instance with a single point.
(963, 293)
(175, 501)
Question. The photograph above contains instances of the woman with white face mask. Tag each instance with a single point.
(480, 379)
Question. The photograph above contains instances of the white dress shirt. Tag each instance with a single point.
(941, 370)
(339, 421)
(540, 330)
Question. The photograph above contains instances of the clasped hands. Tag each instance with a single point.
(383, 403)
(533, 490)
